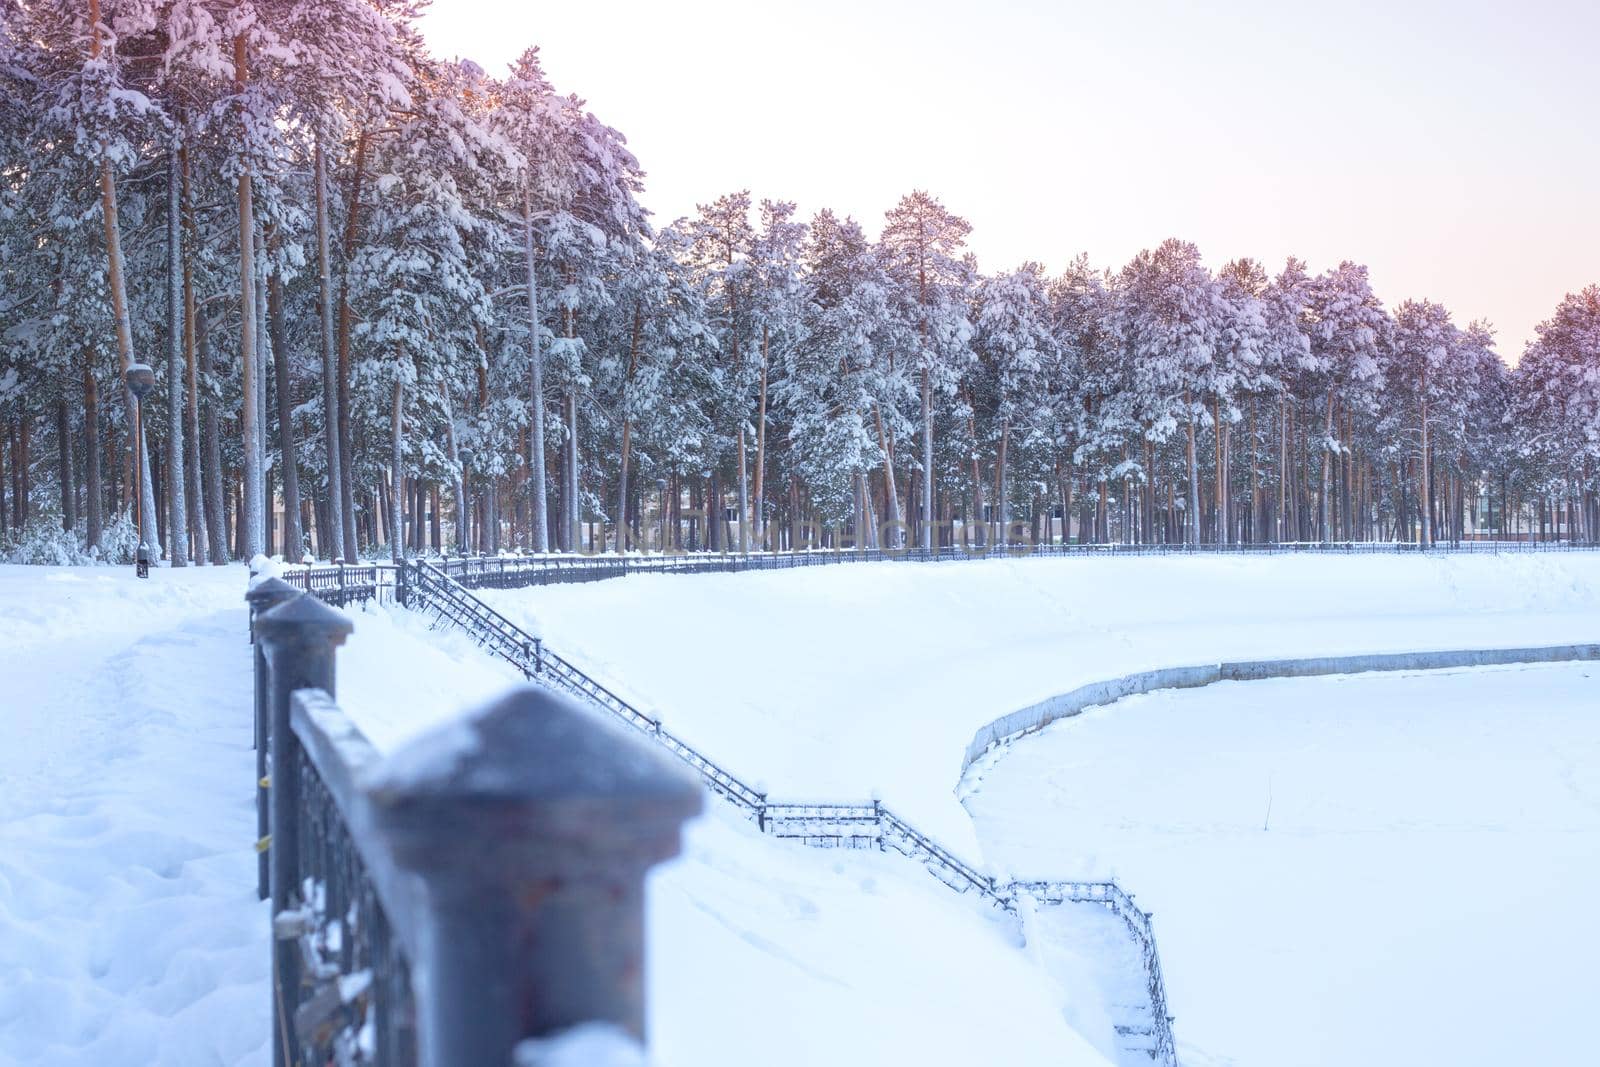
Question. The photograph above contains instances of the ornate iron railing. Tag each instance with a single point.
(382, 869)
(425, 587)
(353, 1002)
(342, 585)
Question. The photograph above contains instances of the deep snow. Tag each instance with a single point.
(1422, 892)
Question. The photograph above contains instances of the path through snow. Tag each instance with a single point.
(129, 928)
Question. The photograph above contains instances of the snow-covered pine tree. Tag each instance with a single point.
(920, 242)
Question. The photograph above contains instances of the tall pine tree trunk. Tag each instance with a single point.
(211, 445)
(69, 503)
(293, 541)
(1325, 533)
(627, 429)
(925, 530)
(1283, 468)
(254, 475)
(744, 499)
(891, 495)
(1425, 481)
(977, 527)
(761, 446)
(346, 457)
(536, 459)
(1002, 488)
(119, 307)
(177, 512)
(334, 531)
(92, 492)
(396, 473)
(195, 497)
(458, 489)
(1193, 523)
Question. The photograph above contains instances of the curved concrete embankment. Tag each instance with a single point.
(1066, 705)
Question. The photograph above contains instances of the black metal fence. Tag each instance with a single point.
(405, 925)
(425, 586)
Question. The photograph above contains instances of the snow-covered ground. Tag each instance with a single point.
(1375, 869)
(129, 929)
(130, 933)
(764, 951)
(836, 682)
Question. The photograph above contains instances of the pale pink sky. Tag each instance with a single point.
(1451, 146)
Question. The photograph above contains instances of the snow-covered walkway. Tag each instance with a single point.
(130, 932)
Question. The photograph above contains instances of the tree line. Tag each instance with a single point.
(395, 304)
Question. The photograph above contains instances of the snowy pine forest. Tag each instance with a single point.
(397, 304)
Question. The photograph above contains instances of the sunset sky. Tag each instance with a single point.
(1452, 147)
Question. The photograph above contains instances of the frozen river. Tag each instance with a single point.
(1375, 869)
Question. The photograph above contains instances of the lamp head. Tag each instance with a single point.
(141, 379)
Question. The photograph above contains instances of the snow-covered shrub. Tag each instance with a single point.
(43, 541)
(118, 541)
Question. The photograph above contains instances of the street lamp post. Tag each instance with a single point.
(141, 379)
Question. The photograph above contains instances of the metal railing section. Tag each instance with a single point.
(426, 587)
(1120, 903)
(382, 871)
(353, 1002)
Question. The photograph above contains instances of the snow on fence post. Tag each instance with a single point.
(300, 637)
(263, 597)
(529, 827)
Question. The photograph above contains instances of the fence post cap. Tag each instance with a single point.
(537, 769)
(268, 592)
(307, 615)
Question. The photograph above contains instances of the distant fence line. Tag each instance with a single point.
(343, 584)
(404, 928)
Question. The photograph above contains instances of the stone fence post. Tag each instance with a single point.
(530, 826)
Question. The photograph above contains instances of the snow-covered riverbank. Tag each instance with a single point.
(843, 681)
